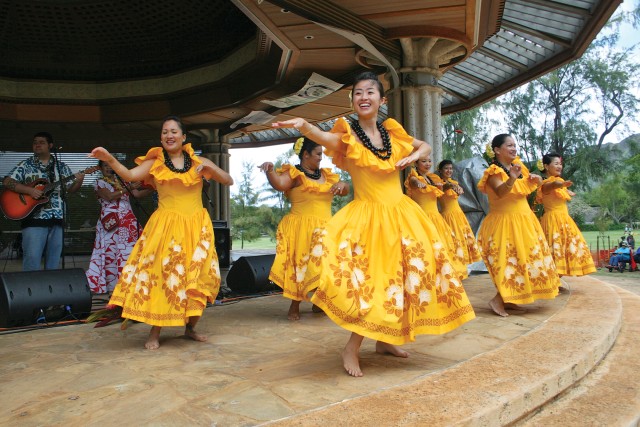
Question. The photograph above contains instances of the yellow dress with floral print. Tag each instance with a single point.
(310, 209)
(173, 269)
(513, 245)
(379, 266)
(427, 198)
(570, 251)
(453, 215)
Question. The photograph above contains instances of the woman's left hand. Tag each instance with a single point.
(202, 170)
(339, 188)
(458, 190)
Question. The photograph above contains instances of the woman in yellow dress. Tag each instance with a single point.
(173, 269)
(383, 272)
(513, 245)
(310, 189)
(570, 252)
(425, 188)
(453, 215)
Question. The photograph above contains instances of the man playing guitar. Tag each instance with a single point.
(42, 231)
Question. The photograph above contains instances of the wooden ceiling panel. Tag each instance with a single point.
(312, 36)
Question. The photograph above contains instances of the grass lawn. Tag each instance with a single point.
(591, 238)
(261, 243)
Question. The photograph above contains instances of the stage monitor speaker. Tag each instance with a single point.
(222, 238)
(250, 275)
(25, 296)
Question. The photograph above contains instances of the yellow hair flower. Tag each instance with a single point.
(298, 146)
(540, 165)
(488, 150)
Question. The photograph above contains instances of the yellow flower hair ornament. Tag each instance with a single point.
(488, 150)
(298, 146)
(540, 165)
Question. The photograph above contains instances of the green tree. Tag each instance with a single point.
(246, 224)
(464, 133)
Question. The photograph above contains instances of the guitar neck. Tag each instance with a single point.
(53, 185)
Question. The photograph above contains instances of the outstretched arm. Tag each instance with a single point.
(550, 186)
(328, 140)
(210, 170)
(138, 173)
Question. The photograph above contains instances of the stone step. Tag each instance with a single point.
(501, 386)
(609, 395)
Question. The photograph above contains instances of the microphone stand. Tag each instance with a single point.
(63, 199)
(135, 201)
(205, 187)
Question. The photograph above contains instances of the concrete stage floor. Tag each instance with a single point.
(256, 367)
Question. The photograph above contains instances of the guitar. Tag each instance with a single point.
(18, 206)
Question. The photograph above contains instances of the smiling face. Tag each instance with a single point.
(423, 165)
(367, 99)
(507, 152)
(554, 168)
(447, 171)
(172, 136)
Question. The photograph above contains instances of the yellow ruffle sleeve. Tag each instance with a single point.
(401, 147)
(159, 172)
(561, 193)
(428, 189)
(522, 185)
(309, 185)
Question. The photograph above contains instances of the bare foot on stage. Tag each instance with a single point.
(294, 310)
(386, 348)
(153, 342)
(351, 361)
(497, 305)
(191, 333)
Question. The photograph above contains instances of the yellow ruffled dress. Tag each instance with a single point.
(455, 217)
(310, 209)
(427, 198)
(173, 269)
(378, 265)
(513, 245)
(570, 251)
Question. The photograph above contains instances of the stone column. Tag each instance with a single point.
(421, 96)
(217, 150)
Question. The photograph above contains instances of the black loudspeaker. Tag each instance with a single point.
(222, 237)
(250, 275)
(26, 296)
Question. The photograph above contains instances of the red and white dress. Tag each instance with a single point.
(111, 248)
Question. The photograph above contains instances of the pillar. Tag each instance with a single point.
(217, 150)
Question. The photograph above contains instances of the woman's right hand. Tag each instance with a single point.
(266, 167)
(297, 123)
(100, 154)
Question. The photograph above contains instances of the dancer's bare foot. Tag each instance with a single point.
(386, 348)
(294, 310)
(153, 342)
(190, 332)
(351, 355)
(497, 305)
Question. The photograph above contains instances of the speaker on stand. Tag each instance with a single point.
(26, 297)
(250, 275)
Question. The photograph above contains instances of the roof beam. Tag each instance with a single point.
(517, 28)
